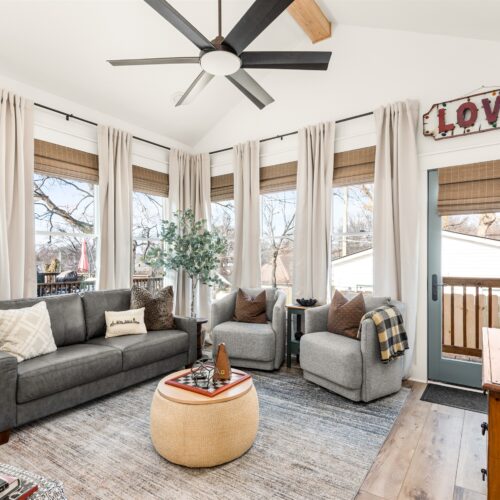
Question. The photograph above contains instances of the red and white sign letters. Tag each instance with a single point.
(464, 116)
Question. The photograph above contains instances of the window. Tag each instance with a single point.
(223, 220)
(277, 234)
(66, 237)
(147, 210)
(352, 260)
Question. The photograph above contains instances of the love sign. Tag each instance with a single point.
(464, 116)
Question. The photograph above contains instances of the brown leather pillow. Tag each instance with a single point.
(250, 309)
(345, 315)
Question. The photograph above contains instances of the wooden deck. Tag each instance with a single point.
(433, 452)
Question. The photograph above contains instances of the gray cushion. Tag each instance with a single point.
(333, 357)
(66, 316)
(254, 341)
(270, 298)
(68, 367)
(94, 305)
(374, 302)
(141, 350)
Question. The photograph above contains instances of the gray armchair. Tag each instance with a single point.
(251, 345)
(346, 366)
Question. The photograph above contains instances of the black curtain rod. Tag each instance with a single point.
(296, 132)
(80, 119)
(75, 117)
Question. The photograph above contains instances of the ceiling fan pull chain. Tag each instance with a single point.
(220, 17)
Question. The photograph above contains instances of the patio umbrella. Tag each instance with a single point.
(83, 264)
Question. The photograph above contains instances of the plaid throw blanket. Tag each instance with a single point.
(390, 330)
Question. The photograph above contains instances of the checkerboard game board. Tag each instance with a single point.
(188, 383)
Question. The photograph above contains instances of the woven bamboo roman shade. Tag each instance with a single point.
(67, 163)
(354, 167)
(222, 187)
(469, 189)
(150, 181)
(282, 177)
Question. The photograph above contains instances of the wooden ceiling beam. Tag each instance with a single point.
(311, 19)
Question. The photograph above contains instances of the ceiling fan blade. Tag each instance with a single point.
(286, 60)
(154, 60)
(180, 23)
(246, 84)
(256, 19)
(195, 88)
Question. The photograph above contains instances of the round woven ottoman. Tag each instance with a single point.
(194, 430)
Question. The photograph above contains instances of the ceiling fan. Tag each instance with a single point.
(225, 56)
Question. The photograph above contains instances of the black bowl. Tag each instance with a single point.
(306, 302)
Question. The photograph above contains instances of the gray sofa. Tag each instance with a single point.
(86, 365)
(349, 367)
(251, 345)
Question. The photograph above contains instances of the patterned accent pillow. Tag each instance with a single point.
(250, 309)
(26, 333)
(158, 309)
(120, 323)
(345, 315)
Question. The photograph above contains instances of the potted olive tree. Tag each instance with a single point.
(188, 245)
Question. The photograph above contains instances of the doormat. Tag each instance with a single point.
(458, 398)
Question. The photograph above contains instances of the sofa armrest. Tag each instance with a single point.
(222, 310)
(316, 319)
(279, 327)
(8, 389)
(379, 379)
(190, 326)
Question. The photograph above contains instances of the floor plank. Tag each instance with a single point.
(432, 472)
(472, 454)
(389, 469)
(464, 494)
(364, 495)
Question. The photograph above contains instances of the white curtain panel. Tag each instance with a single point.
(311, 278)
(17, 236)
(189, 187)
(395, 212)
(115, 208)
(246, 162)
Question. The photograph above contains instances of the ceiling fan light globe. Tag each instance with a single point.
(220, 62)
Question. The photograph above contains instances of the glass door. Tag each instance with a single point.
(461, 293)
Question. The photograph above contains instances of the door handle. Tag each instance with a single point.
(435, 286)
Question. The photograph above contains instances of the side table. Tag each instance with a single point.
(199, 338)
(293, 343)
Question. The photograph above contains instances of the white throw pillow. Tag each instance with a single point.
(26, 333)
(129, 322)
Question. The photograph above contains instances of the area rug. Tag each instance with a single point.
(311, 444)
(458, 398)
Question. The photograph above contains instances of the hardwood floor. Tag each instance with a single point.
(433, 452)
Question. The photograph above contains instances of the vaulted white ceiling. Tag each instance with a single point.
(62, 47)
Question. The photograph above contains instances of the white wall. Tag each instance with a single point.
(53, 127)
(371, 67)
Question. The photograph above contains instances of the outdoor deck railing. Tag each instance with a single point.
(62, 288)
(468, 305)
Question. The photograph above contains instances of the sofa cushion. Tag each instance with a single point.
(344, 316)
(333, 357)
(66, 316)
(141, 350)
(158, 307)
(270, 298)
(250, 309)
(255, 341)
(70, 366)
(94, 305)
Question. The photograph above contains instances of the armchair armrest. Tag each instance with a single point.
(279, 327)
(222, 310)
(190, 326)
(8, 389)
(316, 319)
